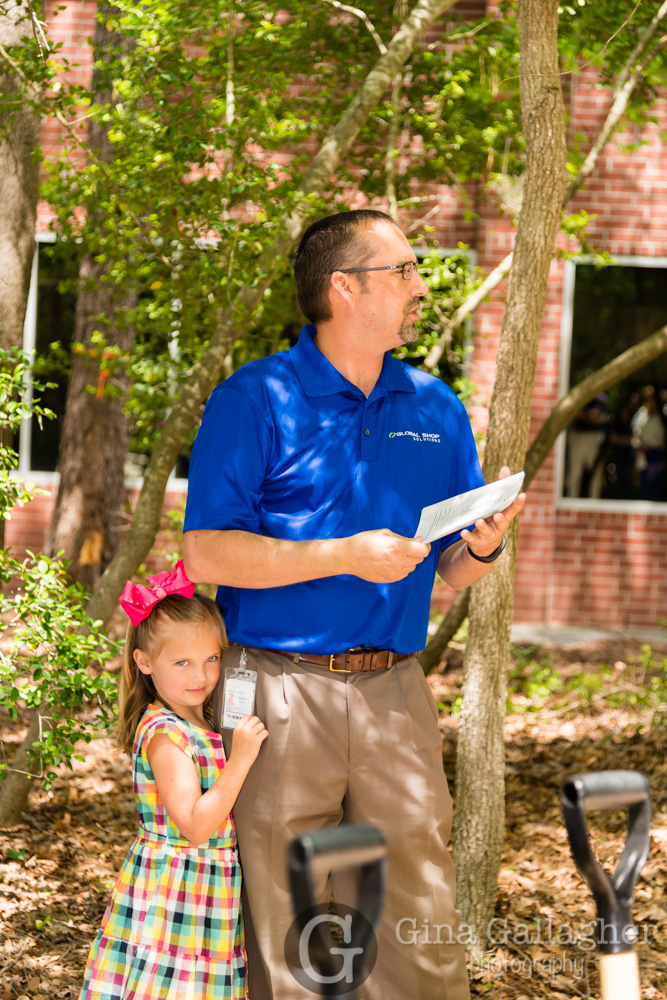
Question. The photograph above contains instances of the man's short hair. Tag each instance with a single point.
(331, 244)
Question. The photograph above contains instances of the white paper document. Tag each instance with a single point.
(458, 512)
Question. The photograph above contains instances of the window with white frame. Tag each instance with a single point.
(48, 332)
(49, 320)
(615, 449)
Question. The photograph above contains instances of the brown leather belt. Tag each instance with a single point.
(352, 661)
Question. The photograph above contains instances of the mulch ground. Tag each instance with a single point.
(57, 867)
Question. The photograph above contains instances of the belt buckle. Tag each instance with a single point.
(338, 670)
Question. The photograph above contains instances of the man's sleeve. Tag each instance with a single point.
(228, 465)
(466, 472)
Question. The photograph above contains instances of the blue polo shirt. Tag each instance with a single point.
(289, 448)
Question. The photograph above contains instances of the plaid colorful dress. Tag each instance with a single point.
(173, 928)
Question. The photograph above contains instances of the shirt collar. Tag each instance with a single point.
(319, 377)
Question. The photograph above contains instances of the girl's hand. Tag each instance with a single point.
(198, 815)
(247, 738)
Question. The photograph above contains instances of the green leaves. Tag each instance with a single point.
(451, 279)
(214, 111)
(52, 656)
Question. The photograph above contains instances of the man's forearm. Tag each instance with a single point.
(243, 559)
(458, 568)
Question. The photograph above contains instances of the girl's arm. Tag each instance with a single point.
(198, 815)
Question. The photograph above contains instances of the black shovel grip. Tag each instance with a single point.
(607, 789)
(339, 847)
(310, 859)
(613, 895)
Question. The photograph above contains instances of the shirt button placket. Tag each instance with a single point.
(368, 437)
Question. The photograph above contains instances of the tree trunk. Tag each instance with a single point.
(186, 408)
(19, 187)
(480, 796)
(16, 783)
(449, 626)
(87, 518)
(604, 378)
(19, 191)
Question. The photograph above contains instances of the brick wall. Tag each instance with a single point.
(27, 530)
(576, 566)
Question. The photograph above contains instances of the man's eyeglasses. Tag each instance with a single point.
(407, 269)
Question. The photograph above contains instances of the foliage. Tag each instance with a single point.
(603, 36)
(14, 407)
(48, 644)
(213, 110)
(537, 683)
(204, 126)
(212, 117)
(451, 280)
(535, 680)
(640, 684)
(459, 112)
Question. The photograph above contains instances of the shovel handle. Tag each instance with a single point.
(310, 859)
(619, 976)
(337, 848)
(616, 932)
(332, 849)
(607, 789)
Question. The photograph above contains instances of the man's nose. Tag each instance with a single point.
(419, 287)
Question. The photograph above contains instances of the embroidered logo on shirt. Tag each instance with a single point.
(416, 436)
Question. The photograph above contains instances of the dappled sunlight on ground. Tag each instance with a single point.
(570, 711)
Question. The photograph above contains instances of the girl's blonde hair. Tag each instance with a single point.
(136, 689)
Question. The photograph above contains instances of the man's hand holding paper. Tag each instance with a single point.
(456, 566)
(380, 555)
(477, 507)
(486, 536)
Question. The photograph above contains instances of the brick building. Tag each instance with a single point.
(598, 555)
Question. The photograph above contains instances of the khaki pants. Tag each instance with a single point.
(353, 748)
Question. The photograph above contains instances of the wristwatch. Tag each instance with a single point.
(494, 555)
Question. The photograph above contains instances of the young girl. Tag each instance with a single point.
(173, 927)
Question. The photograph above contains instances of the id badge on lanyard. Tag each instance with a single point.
(238, 698)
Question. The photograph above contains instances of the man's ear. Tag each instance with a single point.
(141, 661)
(341, 286)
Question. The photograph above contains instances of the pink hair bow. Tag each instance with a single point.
(138, 600)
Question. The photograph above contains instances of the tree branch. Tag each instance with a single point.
(610, 374)
(390, 156)
(466, 308)
(627, 80)
(363, 16)
(229, 86)
(185, 410)
(604, 378)
(449, 626)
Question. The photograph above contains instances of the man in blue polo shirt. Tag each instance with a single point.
(307, 480)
